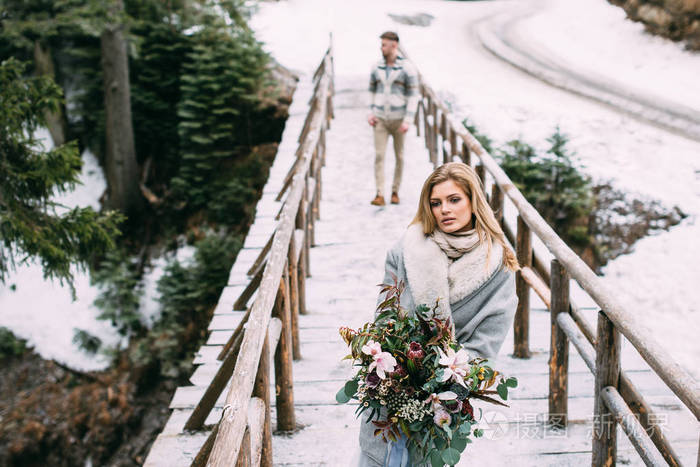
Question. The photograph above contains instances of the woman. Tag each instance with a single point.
(454, 252)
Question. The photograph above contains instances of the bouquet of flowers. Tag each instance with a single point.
(416, 380)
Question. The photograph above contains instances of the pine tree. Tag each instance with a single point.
(552, 183)
(221, 83)
(30, 223)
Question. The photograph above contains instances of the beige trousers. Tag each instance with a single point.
(382, 130)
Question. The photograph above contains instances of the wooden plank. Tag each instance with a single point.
(260, 260)
(227, 322)
(242, 301)
(207, 354)
(216, 387)
(202, 456)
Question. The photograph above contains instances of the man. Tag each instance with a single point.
(393, 85)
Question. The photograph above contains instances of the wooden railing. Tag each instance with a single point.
(243, 436)
(617, 400)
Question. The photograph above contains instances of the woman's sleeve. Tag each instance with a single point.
(493, 321)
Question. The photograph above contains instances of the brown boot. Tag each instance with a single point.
(394, 198)
(378, 200)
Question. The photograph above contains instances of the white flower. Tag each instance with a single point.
(456, 365)
(383, 362)
(372, 348)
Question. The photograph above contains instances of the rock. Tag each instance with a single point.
(655, 16)
(419, 19)
(675, 19)
(620, 219)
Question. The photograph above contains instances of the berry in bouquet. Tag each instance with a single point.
(415, 380)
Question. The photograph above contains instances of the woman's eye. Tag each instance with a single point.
(434, 204)
(455, 200)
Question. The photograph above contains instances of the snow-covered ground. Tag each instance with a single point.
(659, 280)
(43, 311)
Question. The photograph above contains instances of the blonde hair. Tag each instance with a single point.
(485, 223)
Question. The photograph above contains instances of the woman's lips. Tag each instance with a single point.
(449, 220)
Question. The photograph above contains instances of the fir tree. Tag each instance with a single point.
(31, 225)
(553, 184)
(221, 82)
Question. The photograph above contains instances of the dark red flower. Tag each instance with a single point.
(415, 351)
(399, 371)
(372, 380)
(467, 408)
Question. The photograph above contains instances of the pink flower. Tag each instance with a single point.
(456, 365)
(383, 363)
(372, 348)
(441, 417)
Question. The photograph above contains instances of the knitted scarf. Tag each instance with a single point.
(457, 243)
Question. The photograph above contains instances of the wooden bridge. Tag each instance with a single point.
(310, 264)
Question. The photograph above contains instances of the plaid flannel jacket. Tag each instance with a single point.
(394, 95)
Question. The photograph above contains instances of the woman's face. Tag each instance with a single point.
(451, 207)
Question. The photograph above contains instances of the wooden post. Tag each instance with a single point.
(607, 364)
(443, 135)
(416, 120)
(284, 381)
(317, 196)
(322, 143)
(301, 264)
(497, 203)
(434, 137)
(558, 348)
(466, 154)
(293, 281)
(426, 126)
(454, 150)
(244, 455)
(521, 325)
(262, 390)
(481, 172)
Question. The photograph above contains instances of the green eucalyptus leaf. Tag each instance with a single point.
(436, 459)
(502, 390)
(342, 397)
(351, 388)
(450, 456)
(459, 443)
